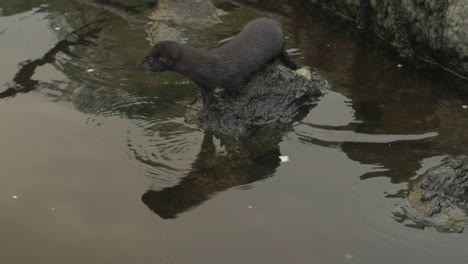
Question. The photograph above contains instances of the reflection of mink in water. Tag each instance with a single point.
(227, 66)
(212, 173)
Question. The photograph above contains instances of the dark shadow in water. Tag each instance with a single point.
(214, 171)
(23, 82)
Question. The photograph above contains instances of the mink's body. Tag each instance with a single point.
(227, 66)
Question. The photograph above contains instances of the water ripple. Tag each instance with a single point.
(163, 150)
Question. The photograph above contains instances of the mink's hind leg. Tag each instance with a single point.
(286, 60)
(207, 94)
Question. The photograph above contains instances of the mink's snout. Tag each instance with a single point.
(144, 66)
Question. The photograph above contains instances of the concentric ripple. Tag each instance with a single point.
(163, 150)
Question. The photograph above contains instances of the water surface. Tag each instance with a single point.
(98, 165)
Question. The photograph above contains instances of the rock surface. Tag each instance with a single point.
(440, 197)
(272, 98)
(434, 31)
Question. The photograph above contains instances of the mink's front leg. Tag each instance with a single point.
(207, 94)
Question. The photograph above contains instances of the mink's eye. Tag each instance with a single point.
(164, 60)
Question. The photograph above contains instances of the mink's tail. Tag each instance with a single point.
(287, 61)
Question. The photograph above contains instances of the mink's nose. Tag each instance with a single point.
(143, 66)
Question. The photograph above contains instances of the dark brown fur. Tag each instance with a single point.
(227, 66)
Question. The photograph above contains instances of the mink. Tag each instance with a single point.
(227, 66)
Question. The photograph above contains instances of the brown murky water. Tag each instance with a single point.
(98, 166)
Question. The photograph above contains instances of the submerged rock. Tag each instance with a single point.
(171, 17)
(272, 98)
(435, 31)
(126, 12)
(193, 13)
(158, 31)
(440, 197)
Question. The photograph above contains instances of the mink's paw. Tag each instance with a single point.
(203, 114)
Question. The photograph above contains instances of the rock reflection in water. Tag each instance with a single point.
(23, 81)
(384, 99)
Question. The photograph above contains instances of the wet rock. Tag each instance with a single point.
(440, 197)
(273, 98)
(433, 31)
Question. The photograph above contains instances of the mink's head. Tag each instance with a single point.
(161, 57)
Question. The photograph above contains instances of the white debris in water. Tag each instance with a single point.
(53, 209)
(399, 65)
(328, 45)
(14, 197)
(89, 70)
(293, 50)
(250, 207)
(284, 158)
(57, 28)
(348, 257)
(465, 106)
